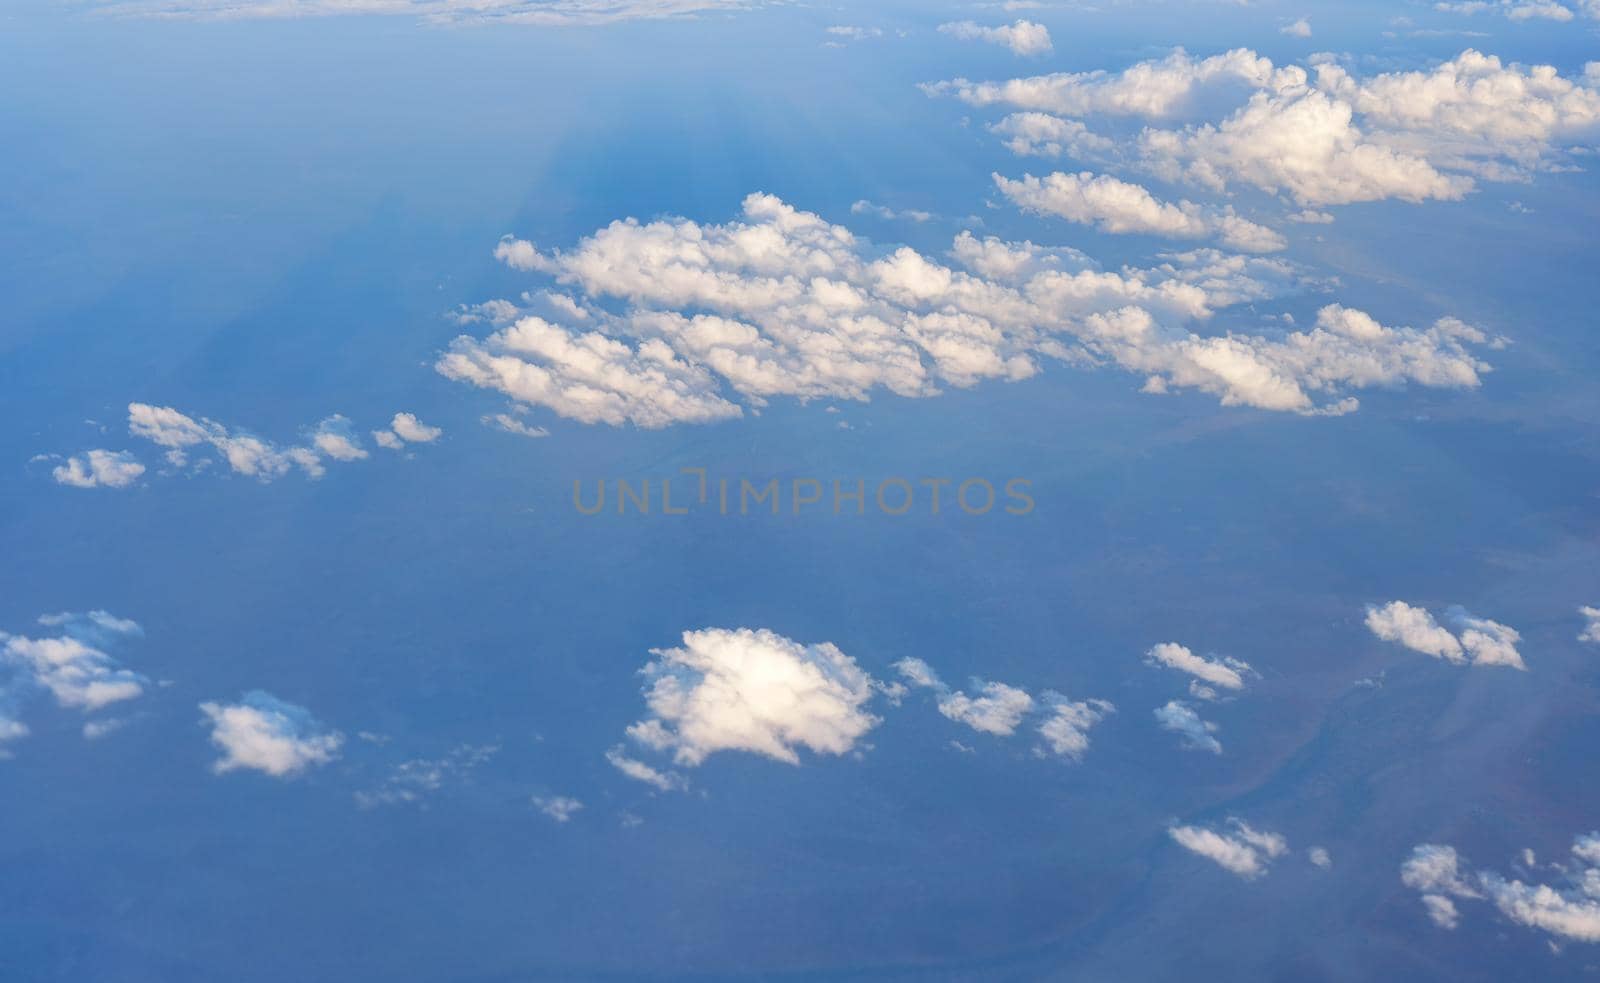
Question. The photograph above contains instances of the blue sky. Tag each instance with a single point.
(310, 669)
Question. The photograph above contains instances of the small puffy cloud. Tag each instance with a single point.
(1066, 727)
(918, 673)
(266, 734)
(1570, 912)
(1299, 29)
(1227, 673)
(1475, 641)
(73, 666)
(1319, 857)
(99, 469)
(998, 708)
(1119, 207)
(1044, 135)
(1238, 848)
(1591, 626)
(1182, 719)
(1023, 37)
(412, 430)
(335, 438)
(755, 691)
(405, 429)
(561, 808)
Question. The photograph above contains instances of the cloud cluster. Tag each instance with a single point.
(1321, 136)
(561, 808)
(1237, 848)
(263, 733)
(332, 439)
(1474, 641)
(747, 690)
(1569, 912)
(1519, 10)
(999, 709)
(72, 666)
(1023, 37)
(717, 318)
(1116, 206)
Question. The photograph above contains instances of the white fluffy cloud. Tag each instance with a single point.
(1182, 719)
(99, 469)
(784, 304)
(1238, 848)
(1569, 913)
(263, 733)
(405, 429)
(997, 709)
(755, 691)
(1475, 641)
(637, 770)
(1066, 727)
(1044, 135)
(1115, 206)
(1023, 37)
(1226, 673)
(1325, 137)
(73, 666)
(543, 13)
(1591, 626)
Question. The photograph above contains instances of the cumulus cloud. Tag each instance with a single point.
(542, 13)
(754, 691)
(1319, 857)
(99, 469)
(1226, 673)
(1323, 136)
(1182, 719)
(1238, 848)
(1115, 206)
(1044, 135)
(1298, 29)
(561, 808)
(716, 318)
(1569, 911)
(405, 429)
(1066, 726)
(73, 666)
(335, 438)
(266, 734)
(1475, 641)
(1591, 626)
(1023, 37)
(865, 207)
(997, 709)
